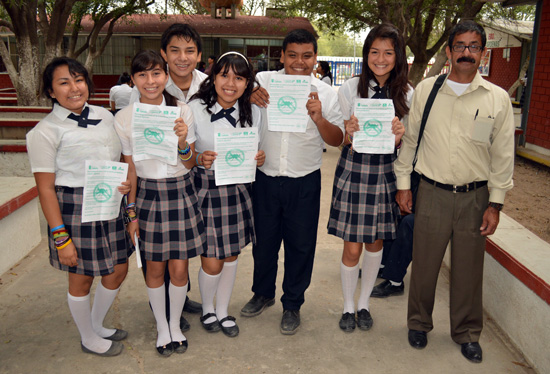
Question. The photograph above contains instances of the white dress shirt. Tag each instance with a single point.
(57, 145)
(120, 95)
(293, 154)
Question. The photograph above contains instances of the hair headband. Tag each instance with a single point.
(233, 53)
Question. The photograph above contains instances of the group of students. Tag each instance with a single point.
(178, 212)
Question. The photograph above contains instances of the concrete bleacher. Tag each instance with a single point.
(19, 220)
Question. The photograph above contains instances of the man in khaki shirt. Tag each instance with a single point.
(466, 159)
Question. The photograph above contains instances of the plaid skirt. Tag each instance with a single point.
(227, 213)
(363, 205)
(170, 223)
(100, 245)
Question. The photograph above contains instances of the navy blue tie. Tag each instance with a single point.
(225, 113)
(83, 120)
(379, 93)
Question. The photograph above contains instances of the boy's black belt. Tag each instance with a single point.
(450, 187)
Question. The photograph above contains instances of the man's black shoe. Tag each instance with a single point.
(347, 322)
(472, 351)
(256, 306)
(191, 306)
(290, 322)
(386, 289)
(184, 324)
(418, 339)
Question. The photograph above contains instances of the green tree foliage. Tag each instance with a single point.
(338, 44)
(425, 24)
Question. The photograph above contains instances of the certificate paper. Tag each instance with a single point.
(101, 200)
(374, 135)
(236, 148)
(153, 133)
(288, 95)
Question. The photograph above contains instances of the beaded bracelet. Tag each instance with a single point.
(187, 158)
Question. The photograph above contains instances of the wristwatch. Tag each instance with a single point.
(497, 206)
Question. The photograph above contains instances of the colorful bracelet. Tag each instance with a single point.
(64, 245)
(400, 144)
(184, 151)
(131, 206)
(62, 226)
(198, 163)
(187, 158)
(350, 138)
(60, 241)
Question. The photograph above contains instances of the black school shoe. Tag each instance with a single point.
(166, 350)
(364, 320)
(386, 289)
(347, 322)
(192, 307)
(180, 347)
(230, 331)
(256, 306)
(212, 326)
(290, 322)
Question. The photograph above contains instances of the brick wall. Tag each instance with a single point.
(538, 125)
(504, 73)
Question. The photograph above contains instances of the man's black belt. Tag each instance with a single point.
(450, 187)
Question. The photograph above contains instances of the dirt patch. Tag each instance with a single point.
(529, 201)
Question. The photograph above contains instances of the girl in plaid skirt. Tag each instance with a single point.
(363, 210)
(162, 203)
(58, 147)
(223, 100)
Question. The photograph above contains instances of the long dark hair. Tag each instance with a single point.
(398, 82)
(75, 68)
(148, 60)
(326, 70)
(241, 67)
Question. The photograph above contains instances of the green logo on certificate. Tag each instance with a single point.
(372, 127)
(102, 192)
(286, 105)
(154, 135)
(234, 157)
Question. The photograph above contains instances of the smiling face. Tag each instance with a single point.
(71, 92)
(229, 87)
(464, 64)
(150, 84)
(299, 59)
(381, 59)
(182, 56)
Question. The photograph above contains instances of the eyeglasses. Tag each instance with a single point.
(474, 48)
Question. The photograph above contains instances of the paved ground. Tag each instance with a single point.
(37, 334)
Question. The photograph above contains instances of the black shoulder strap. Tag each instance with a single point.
(437, 85)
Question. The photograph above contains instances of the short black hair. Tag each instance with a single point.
(180, 30)
(124, 78)
(300, 36)
(212, 57)
(75, 68)
(467, 26)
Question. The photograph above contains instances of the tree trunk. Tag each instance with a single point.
(26, 83)
(416, 73)
(440, 60)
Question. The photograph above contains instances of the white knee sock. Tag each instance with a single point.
(157, 298)
(208, 284)
(371, 264)
(80, 309)
(349, 276)
(103, 300)
(177, 300)
(225, 288)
